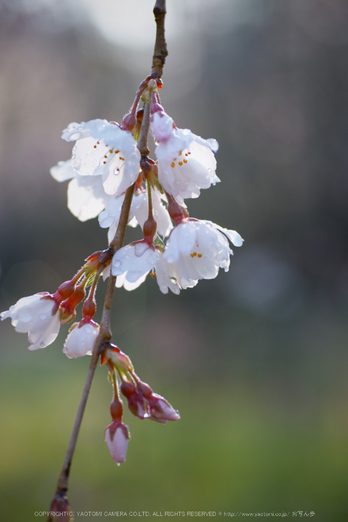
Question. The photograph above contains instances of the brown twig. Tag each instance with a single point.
(160, 52)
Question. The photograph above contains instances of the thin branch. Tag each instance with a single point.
(160, 51)
(159, 56)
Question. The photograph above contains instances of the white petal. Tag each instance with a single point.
(232, 235)
(62, 171)
(122, 281)
(80, 340)
(46, 337)
(164, 278)
(116, 438)
(86, 197)
(87, 156)
(161, 126)
(112, 212)
(135, 260)
(186, 237)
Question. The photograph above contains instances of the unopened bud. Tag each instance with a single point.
(116, 438)
(65, 290)
(89, 308)
(176, 211)
(135, 399)
(116, 409)
(127, 388)
(68, 307)
(128, 122)
(149, 229)
(145, 389)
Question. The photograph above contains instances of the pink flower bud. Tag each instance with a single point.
(161, 410)
(116, 438)
(128, 122)
(136, 402)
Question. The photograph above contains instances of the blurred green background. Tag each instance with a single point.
(256, 360)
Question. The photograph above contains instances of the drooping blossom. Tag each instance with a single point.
(200, 248)
(104, 149)
(132, 263)
(81, 338)
(116, 438)
(37, 315)
(86, 194)
(186, 162)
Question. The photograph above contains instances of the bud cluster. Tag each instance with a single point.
(142, 401)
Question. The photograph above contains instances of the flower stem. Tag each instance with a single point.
(149, 199)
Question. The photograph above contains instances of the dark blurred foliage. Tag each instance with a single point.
(270, 82)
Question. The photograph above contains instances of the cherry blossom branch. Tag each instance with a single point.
(60, 502)
(160, 51)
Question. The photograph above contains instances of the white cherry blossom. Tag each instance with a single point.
(138, 213)
(86, 194)
(199, 249)
(37, 315)
(103, 148)
(132, 263)
(80, 340)
(186, 162)
(116, 438)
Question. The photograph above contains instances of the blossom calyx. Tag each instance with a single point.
(118, 359)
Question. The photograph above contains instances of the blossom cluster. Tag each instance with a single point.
(176, 249)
